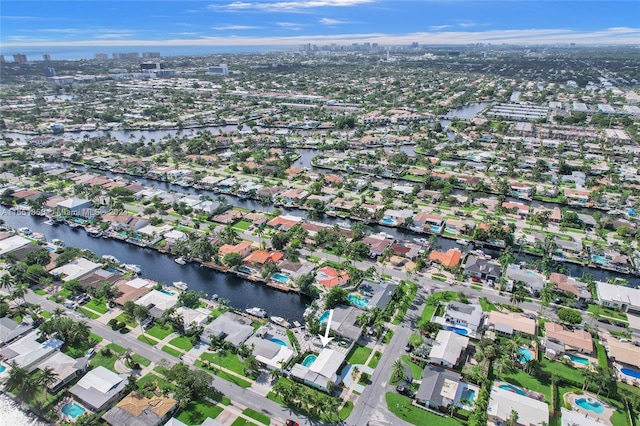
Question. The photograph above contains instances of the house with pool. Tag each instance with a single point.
(532, 280)
(503, 400)
(562, 342)
(320, 371)
(270, 347)
(344, 321)
(509, 323)
(99, 388)
(372, 294)
(136, 409)
(440, 388)
(462, 318)
(158, 301)
(234, 328)
(626, 356)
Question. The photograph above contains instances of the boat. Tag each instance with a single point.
(95, 233)
(462, 242)
(109, 258)
(214, 296)
(279, 321)
(25, 231)
(181, 285)
(180, 261)
(58, 242)
(130, 267)
(73, 225)
(256, 312)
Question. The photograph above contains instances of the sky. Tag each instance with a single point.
(118, 23)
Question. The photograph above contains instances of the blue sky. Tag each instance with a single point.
(294, 22)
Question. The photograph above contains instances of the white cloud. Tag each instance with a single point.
(284, 6)
(333, 22)
(438, 27)
(618, 35)
(235, 27)
(467, 24)
(293, 26)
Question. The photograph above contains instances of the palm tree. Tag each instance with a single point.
(17, 375)
(532, 366)
(355, 374)
(6, 282)
(47, 377)
(28, 389)
(58, 312)
(19, 292)
(397, 370)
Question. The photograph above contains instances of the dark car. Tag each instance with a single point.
(409, 347)
(403, 390)
(620, 324)
(604, 321)
(291, 423)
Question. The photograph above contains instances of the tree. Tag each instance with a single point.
(569, 316)
(132, 384)
(519, 294)
(397, 370)
(279, 241)
(232, 260)
(513, 418)
(47, 377)
(336, 296)
(190, 298)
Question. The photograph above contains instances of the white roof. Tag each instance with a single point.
(139, 283)
(12, 243)
(175, 235)
(448, 346)
(327, 362)
(155, 230)
(618, 293)
(573, 418)
(160, 300)
(530, 411)
(197, 316)
(100, 379)
(76, 269)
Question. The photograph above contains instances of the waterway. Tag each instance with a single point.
(11, 414)
(161, 267)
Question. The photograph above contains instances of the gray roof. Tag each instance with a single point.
(234, 328)
(478, 265)
(9, 329)
(262, 347)
(98, 386)
(344, 322)
(530, 278)
(379, 294)
(433, 378)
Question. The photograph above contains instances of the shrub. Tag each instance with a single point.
(113, 323)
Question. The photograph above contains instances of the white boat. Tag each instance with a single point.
(130, 267)
(462, 242)
(256, 312)
(279, 321)
(57, 242)
(25, 231)
(110, 258)
(180, 261)
(181, 285)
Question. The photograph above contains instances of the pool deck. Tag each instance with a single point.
(603, 418)
(624, 378)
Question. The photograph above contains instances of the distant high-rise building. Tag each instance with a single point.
(49, 72)
(20, 58)
(151, 66)
(46, 57)
(150, 55)
(219, 70)
(126, 56)
(101, 56)
(1, 59)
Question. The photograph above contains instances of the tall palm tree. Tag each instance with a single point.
(397, 370)
(17, 375)
(19, 292)
(58, 312)
(27, 389)
(47, 377)
(6, 282)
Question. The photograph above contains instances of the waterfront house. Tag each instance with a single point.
(377, 244)
(533, 281)
(76, 207)
(507, 323)
(448, 348)
(377, 294)
(243, 248)
(627, 299)
(345, 322)
(449, 259)
(530, 411)
(99, 388)
(28, 352)
(268, 352)
(262, 257)
(137, 410)
(193, 317)
(66, 368)
(428, 221)
(322, 371)
(13, 243)
(96, 278)
(124, 221)
(11, 330)
(458, 314)
(570, 340)
(569, 248)
(233, 328)
(482, 268)
(75, 269)
(158, 302)
(284, 222)
(173, 236)
(132, 289)
(330, 277)
(228, 217)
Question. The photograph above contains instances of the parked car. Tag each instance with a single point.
(403, 390)
(70, 304)
(604, 320)
(147, 323)
(291, 423)
(90, 353)
(476, 280)
(408, 347)
(620, 324)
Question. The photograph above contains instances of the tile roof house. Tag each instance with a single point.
(448, 259)
(623, 352)
(261, 257)
(329, 277)
(137, 410)
(576, 340)
(99, 388)
(506, 323)
(243, 249)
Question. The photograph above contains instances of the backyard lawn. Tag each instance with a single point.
(359, 355)
(401, 406)
(197, 412)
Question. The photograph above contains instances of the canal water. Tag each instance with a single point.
(161, 267)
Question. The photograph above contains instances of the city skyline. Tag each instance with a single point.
(294, 22)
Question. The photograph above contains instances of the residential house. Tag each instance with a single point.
(123, 221)
(377, 243)
(448, 348)
(76, 207)
(568, 340)
(296, 269)
(428, 222)
(377, 294)
(284, 222)
(262, 257)
(193, 317)
(99, 388)
(507, 323)
(243, 249)
(75, 269)
(344, 322)
(132, 289)
(625, 353)
(533, 281)
(322, 371)
(157, 302)
(268, 353)
(438, 388)
(137, 410)
(27, 352)
(449, 259)
(531, 412)
(627, 299)
(330, 277)
(65, 367)
(13, 243)
(11, 330)
(570, 285)
(482, 268)
(232, 327)
(461, 315)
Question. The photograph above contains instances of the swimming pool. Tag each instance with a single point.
(577, 359)
(600, 259)
(358, 301)
(245, 269)
(435, 228)
(629, 372)
(72, 410)
(324, 317)
(590, 405)
(278, 341)
(457, 330)
(280, 277)
(513, 389)
(112, 271)
(387, 220)
(308, 360)
(2, 368)
(469, 395)
(167, 292)
(525, 355)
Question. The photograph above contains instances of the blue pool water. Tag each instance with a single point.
(324, 317)
(358, 301)
(72, 410)
(280, 277)
(2, 368)
(167, 292)
(590, 405)
(308, 360)
(458, 330)
(600, 259)
(469, 395)
(78, 220)
(449, 230)
(387, 220)
(525, 355)
(435, 228)
(578, 359)
(111, 270)
(278, 341)
(244, 269)
(513, 389)
(629, 372)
